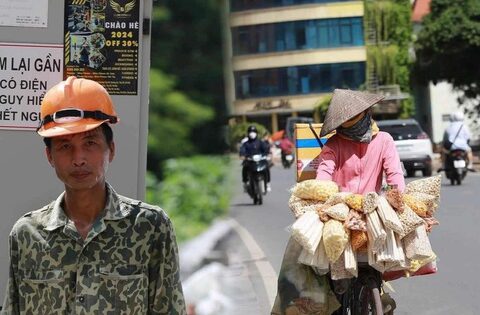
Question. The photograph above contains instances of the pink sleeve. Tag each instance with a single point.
(392, 166)
(327, 164)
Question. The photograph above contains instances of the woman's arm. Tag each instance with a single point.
(327, 163)
(392, 165)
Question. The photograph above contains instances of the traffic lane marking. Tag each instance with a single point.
(267, 273)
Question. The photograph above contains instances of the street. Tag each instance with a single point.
(452, 290)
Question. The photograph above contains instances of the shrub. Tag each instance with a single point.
(195, 191)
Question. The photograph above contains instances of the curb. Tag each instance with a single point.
(201, 250)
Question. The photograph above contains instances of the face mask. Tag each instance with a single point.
(252, 135)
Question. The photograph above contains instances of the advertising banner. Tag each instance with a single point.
(101, 43)
(27, 71)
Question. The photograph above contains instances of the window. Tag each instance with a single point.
(402, 131)
(241, 5)
(298, 80)
(345, 33)
(311, 34)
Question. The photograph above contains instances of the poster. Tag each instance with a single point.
(101, 43)
(26, 13)
(27, 71)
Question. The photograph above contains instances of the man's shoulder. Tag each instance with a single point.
(34, 218)
(145, 209)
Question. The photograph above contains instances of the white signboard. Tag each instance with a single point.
(29, 13)
(27, 71)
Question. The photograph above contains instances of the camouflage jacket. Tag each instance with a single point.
(128, 263)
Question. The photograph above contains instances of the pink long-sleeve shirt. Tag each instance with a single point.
(358, 167)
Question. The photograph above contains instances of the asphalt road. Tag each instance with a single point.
(453, 290)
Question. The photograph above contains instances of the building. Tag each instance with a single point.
(282, 57)
(435, 102)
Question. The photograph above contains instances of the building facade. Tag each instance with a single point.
(282, 57)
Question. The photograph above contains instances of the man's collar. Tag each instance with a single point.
(114, 210)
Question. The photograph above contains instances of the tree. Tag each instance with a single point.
(389, 32)
(448, 48)
(187, 44)
(172, 118)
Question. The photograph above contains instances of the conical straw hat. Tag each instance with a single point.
(346, 104)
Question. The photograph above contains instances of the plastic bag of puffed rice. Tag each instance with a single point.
(315, 189)
(335, 238)
(430, 185)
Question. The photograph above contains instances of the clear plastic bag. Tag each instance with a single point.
(300, 290)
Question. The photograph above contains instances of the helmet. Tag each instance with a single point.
(457, 116)
(252, 128)
(74, 106)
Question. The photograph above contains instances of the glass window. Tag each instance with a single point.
(322, 31)
(357, 31)
(279, 31)
(299, 80)
(300, 37)
(311, 34)
(402, 131)
(241, 5)
(333, 33)
(346, 32)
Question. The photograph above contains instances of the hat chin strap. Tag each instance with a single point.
(97, 115)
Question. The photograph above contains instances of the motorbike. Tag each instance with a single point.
(456, 166)
(287, 159)
(256, 177)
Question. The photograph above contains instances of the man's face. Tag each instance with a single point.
(81, 160)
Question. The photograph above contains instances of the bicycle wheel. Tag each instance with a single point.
(369, 302)
(362, 297)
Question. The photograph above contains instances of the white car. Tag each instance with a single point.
(413, 144)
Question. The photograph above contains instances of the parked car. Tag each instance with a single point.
(413, 144)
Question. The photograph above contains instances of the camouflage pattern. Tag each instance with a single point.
(128, 263)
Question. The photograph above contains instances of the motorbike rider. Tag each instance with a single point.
(286, 146)
(459, 135)
(253, 146)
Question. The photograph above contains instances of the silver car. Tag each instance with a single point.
(413, 144)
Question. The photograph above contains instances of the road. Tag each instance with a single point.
(262, 234)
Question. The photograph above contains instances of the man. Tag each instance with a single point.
(286, 147)
(458, 134)
(251, 147)
(91, 251)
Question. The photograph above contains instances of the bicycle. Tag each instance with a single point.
(361, 295)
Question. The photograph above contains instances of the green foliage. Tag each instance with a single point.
(384, 59)
(239, 131)
(448, 46)
(407, 108)
(187, 44)
(322, 105)
(173, 115)
(194, 192)
(391, 22)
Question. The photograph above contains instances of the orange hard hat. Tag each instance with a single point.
(74, 106)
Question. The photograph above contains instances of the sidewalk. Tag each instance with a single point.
(226, 280)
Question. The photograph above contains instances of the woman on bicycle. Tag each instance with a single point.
(358, 154)
(355, 157)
